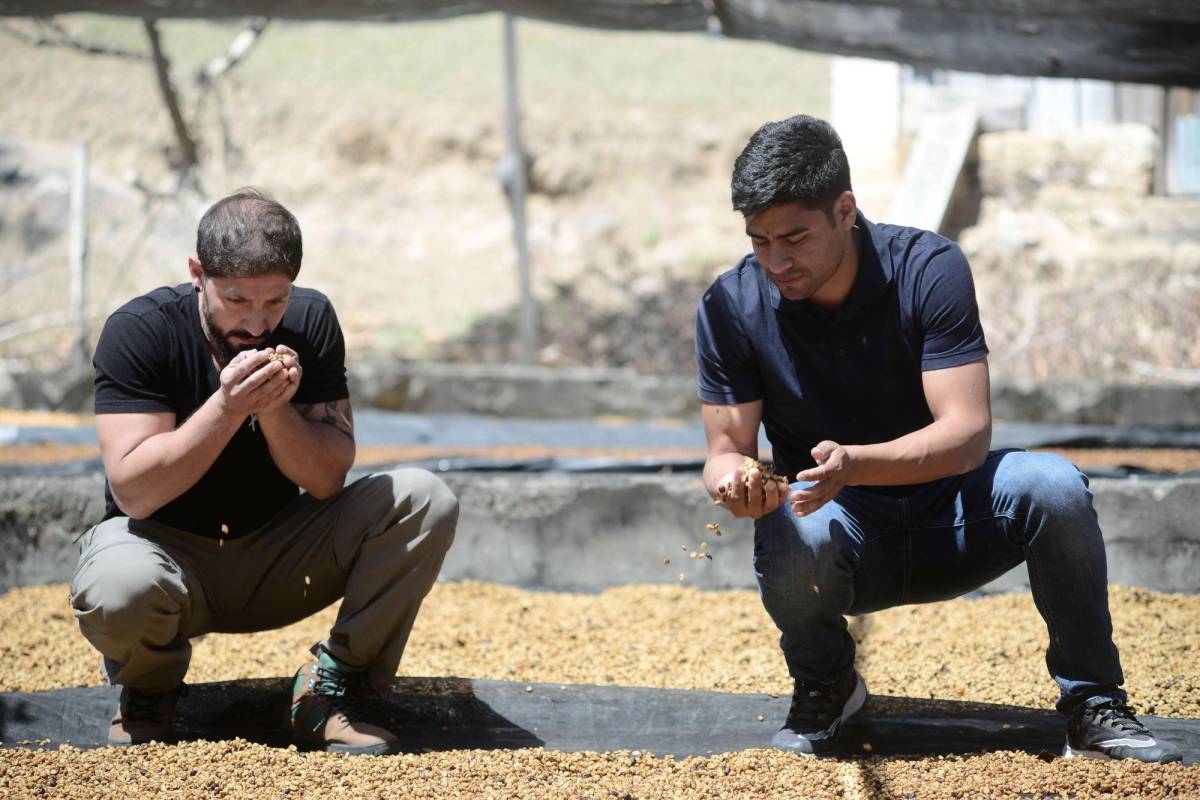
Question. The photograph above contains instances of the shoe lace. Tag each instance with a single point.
(811, 702)
(351, 695)
(1119, 716)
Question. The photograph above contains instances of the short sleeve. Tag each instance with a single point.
(947, 312)
(727, 369)
(130, 373)
(324, 356)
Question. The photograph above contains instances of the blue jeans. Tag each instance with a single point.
(865, 551)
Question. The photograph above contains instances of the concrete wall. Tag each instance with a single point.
(583, 533)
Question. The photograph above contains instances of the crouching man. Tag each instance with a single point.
(858, 347)
(216, 402)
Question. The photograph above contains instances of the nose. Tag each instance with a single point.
(778, 261)
(255, 324)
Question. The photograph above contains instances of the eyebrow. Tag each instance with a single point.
(794, 231)
(234, 294)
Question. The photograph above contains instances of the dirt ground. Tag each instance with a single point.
(662, 636)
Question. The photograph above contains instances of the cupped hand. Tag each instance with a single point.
(746, 494)
(252, 382)
(827, 478)
(291, 372)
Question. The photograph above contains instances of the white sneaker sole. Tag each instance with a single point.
(814, 743)
(1070, 752)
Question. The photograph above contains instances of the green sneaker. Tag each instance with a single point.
(329, 703)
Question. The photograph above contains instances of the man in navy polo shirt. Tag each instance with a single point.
(858, 346)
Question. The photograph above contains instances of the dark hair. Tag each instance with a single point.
(798, 160)
(248, 233)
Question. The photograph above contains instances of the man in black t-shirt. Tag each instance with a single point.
(217, 401)
(858, 347)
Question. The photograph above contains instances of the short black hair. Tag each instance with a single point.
(798, 160)
(246, 234)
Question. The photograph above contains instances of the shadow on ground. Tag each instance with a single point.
(456, 713)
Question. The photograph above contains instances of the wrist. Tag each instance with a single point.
(851, 464)
(273, 414)
(224, 408)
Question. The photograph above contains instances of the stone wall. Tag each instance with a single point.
(584, 533)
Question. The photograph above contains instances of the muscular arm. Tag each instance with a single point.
(149, 462)
(732, 435)
(957, 441)
(313, 445)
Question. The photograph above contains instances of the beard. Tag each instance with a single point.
(223, 340)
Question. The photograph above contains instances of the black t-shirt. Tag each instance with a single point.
(153, 357)
(852, 375)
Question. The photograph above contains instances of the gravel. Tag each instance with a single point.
(240, 769)
(663, 636)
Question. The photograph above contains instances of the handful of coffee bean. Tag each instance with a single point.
(768, 474)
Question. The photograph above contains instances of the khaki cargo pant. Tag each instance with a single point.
(142, 589)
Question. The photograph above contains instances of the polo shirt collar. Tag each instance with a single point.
(869, 284)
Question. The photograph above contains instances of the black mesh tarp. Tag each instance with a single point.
(1153, 41)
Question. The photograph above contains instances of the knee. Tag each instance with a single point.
(123, 589)
(1050, 482)
(425, 493)
(810, 550)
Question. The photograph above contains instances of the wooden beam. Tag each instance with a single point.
(1082, 46)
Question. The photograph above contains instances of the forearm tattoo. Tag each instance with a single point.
(333, 416)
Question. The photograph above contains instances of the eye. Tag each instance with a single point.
(798, 239)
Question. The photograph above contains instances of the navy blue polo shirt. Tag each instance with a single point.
(852, 375)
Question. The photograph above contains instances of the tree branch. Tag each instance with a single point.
(189, 158)
(239, 48)
(61, 38)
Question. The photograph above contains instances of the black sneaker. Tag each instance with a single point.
(1105, 728)
(144, 716)
(818, 710)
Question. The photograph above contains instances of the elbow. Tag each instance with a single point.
(978, 447)
(131, 505)
(327, 489)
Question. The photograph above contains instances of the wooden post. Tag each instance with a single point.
(1162, 159)
(79, 253)
(513, 175)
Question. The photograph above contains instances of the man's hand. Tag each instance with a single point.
(746, 494)
(287, 358)
(252, 382)
(831, 473)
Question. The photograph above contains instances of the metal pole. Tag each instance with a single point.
(514, 178)
(79, 252)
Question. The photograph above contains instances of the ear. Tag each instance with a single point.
(196, 271)
(845, 210)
